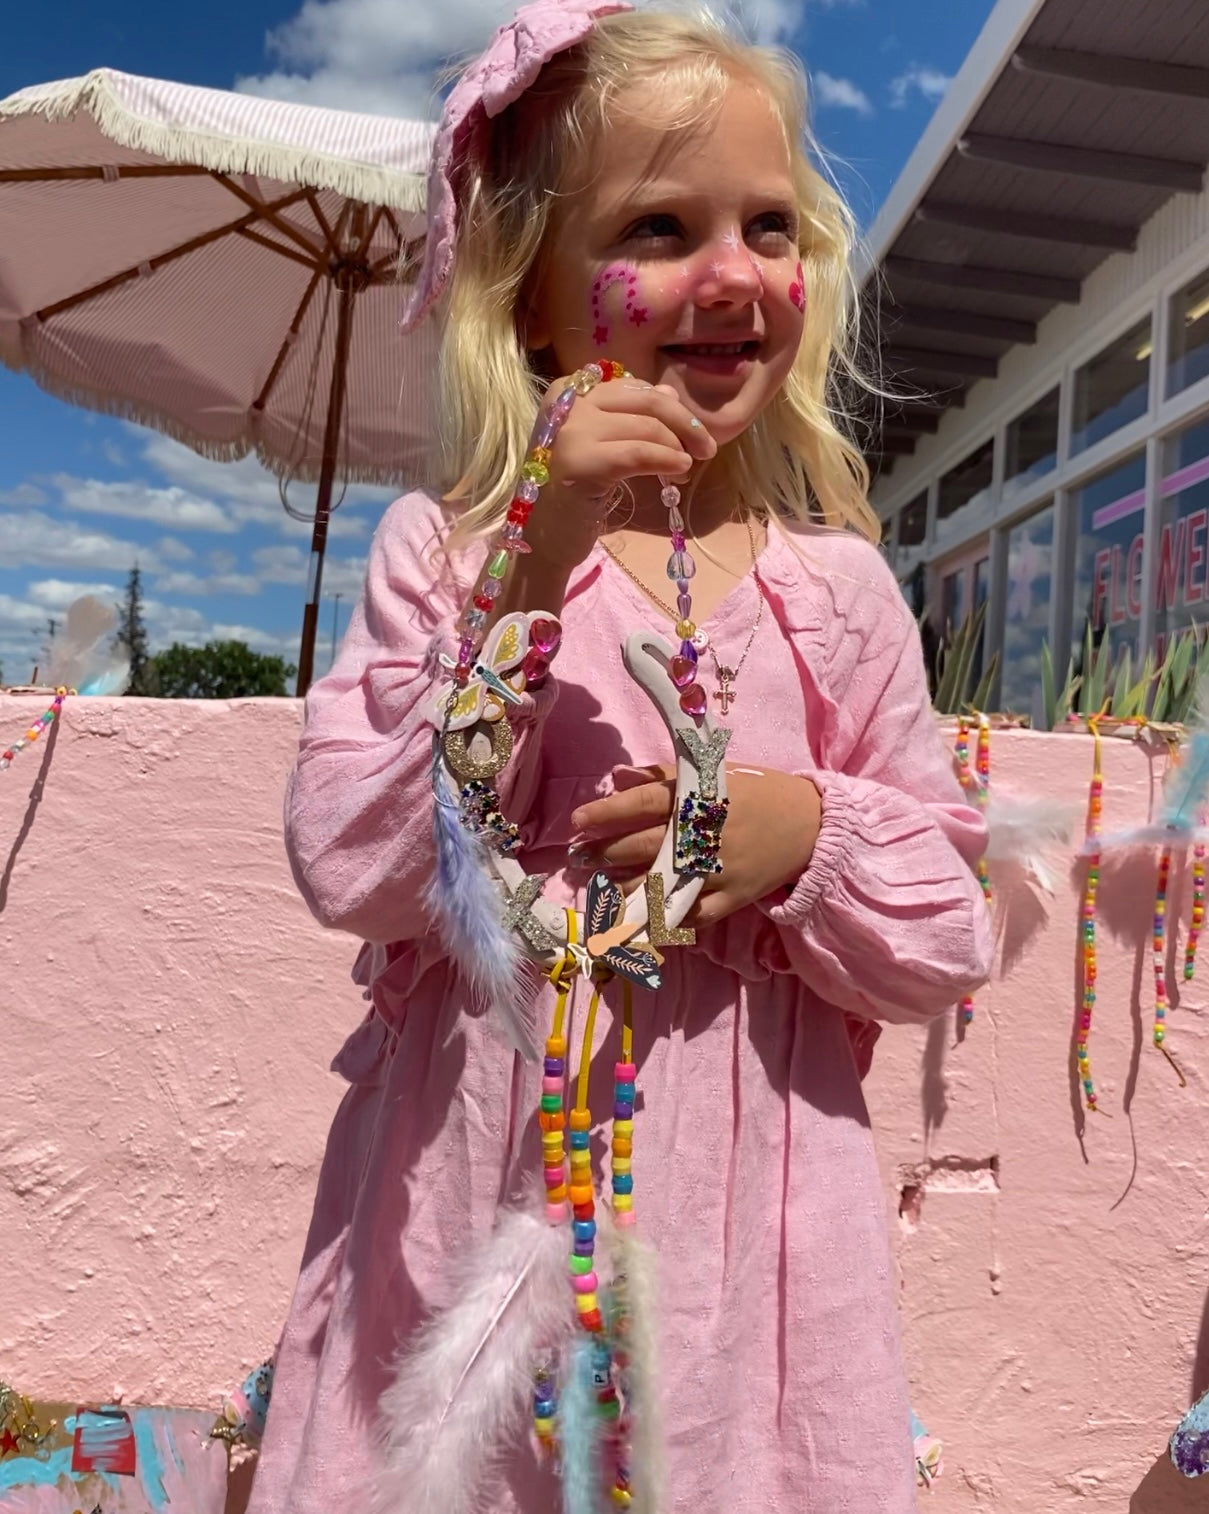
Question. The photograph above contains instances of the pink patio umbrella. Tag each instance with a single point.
(222, 268)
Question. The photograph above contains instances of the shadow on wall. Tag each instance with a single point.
(1164, 1491)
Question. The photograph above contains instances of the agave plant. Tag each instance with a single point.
(955, 668)
(1162, 690)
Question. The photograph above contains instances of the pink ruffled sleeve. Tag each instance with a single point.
(888, 922)
(358, 811)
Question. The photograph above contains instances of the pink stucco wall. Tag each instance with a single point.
(169, 1011)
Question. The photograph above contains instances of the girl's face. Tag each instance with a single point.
(687, 273)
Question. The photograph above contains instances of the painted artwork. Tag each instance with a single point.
(67, 1459)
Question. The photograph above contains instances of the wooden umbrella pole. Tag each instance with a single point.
(349, 287)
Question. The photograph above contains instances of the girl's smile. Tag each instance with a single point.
(682, 270)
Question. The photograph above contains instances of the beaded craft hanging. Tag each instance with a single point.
(591, 1391)
(1087, 921)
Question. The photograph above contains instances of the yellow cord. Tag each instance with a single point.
(562, 976)
(627, 1021)
(585, 1056)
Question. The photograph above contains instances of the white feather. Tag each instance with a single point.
(1027, 833)
(634, 1259)
(82, 656)
(461, 1390)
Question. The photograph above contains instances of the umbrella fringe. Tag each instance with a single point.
(231, 451)
(94, 94)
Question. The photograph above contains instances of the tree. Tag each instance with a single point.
(219, 670)
(132, 636)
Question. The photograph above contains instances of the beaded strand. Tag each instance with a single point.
(681, 570)
(1158, 944)
(552, 1123)
(979, 782)
(509, 540)
(1091, 887)
(1198, 911)
(625, 1074)
(43, 722)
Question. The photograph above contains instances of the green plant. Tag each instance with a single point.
(955, 668)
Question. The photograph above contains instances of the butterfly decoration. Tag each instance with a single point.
(494, 682)
(606, 948)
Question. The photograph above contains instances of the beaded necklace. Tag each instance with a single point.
(1198, 911)
(727, 675)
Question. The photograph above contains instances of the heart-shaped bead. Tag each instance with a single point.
(692, 701)
(684, 671)
(545, 635)
(535, 666)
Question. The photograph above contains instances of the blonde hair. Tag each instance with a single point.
(797, 459)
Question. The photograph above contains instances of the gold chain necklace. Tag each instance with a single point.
(727, 676)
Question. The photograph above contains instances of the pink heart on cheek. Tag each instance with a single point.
(797, 290)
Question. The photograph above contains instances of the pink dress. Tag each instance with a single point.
(753, 1163)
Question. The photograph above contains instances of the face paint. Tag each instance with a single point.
(758, 271)
(797, 290)
(626, 276)
(732, 240)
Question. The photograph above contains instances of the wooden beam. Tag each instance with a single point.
(131, 171)
(950, 364)
(1068, 230)
(996, 328)
(1113, 72)
(913, 418)
(1084, 162)
(890, 445)
(1011, 281)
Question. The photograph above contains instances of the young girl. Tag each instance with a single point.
(632, 190)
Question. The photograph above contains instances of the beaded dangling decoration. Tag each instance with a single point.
(976, 783)
(1091, 887)
(1198, 911)
(43, 722)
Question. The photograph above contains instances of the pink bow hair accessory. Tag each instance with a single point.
(513, 59)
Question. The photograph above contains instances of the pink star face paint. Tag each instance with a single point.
(615, 275)
(797, 290)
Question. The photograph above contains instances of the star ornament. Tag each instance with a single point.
(607, 935)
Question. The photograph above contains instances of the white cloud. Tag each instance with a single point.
(198, 585)
(59, 593)
(250, 493)
(25, 495)
(841, 93)
(172, 550)
(134, 500)
(378, 56)
(920, 79)
(288, 565)
(33, 538)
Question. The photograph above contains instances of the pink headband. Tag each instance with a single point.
(513, 60)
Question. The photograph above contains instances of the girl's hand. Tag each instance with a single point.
(767, 841)
(623, 429)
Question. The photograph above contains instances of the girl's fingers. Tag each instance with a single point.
(633, 397)
(637, 809)
(636, 851)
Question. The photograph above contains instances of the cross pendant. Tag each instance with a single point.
(724, 696)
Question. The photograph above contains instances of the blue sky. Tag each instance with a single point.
(82, 496)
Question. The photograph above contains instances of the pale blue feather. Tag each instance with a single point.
(1188, 784)
(579, 1431)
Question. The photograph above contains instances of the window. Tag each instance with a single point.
(1032, 442)
(969, 482)
(1188, 335)
(1108, 559)
(1113, 389)
(913, 522)
(954, 605)
(1181, 590)
(1030, 557)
